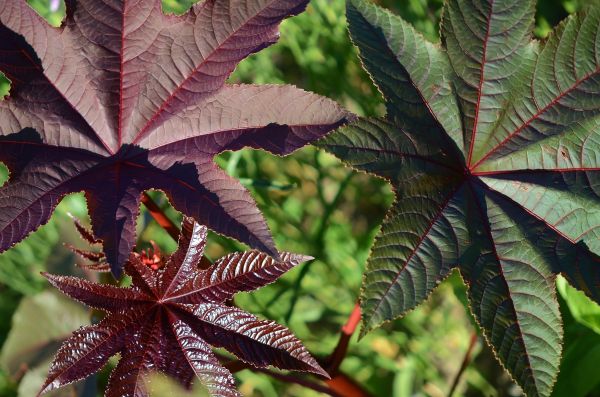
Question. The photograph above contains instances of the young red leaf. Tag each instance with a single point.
(491, 144)
(123, 98)
(156, 326)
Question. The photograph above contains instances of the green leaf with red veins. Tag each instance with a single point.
(491, 144)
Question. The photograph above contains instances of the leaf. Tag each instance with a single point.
(156, 326)
(35, 377)
(582, 348)
(490, 143)
(583, 310)
(122, 99)
(31, 346)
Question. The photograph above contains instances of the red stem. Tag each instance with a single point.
(160, 217)
(343, 385)
(339, 353)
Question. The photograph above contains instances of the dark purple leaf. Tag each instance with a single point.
(104, 297)
(241, 271)
(123, 98)
(154, 326)
(258, 342)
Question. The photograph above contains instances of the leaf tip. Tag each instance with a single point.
(318, 370)
(52, 279)
(297, 259)
(364, 330)
(46, 387)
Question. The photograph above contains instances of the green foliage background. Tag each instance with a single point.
(314, 206)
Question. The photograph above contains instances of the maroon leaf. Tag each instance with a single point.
(183, 264)
(94, 257)
(217, 379)
(122, 99)
(241, 271)
(89, 349)
(154, 326)
(104, 297)
(258, 342)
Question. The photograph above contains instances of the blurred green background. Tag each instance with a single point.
(314, 206)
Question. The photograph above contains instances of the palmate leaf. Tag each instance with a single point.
(491, 144)
(123, 98)
(169, 318)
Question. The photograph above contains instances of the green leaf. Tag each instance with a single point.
(578, 376)
(395, 54)
(4, 86)
(484, 40)
(490, 143)
(583, 310)
(40, 324)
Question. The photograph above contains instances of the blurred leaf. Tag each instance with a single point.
(8, 388)
(579, 366)
(34, 379)
(4, 88)
(39, 326)
(403, 381)
(160, 385)
(177, 7)
(582, 308)
(51, 10)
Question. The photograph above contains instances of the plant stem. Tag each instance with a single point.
(343, 385)
(237, 365)
(339, 353)
(160, 217)
(465, 363)
(299, 381)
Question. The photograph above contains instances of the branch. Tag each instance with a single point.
(160, 217)
(339, 353)
(237, 365)
(343, 385)
(465, 363)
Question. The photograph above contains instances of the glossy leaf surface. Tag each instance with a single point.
(490, 143)
(123, 98)
(169, 318)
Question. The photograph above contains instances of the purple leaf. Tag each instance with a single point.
(241, 271)
(123, 99)
(155, 328)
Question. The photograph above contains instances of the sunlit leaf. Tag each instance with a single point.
(491, 144)
(115, 109)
